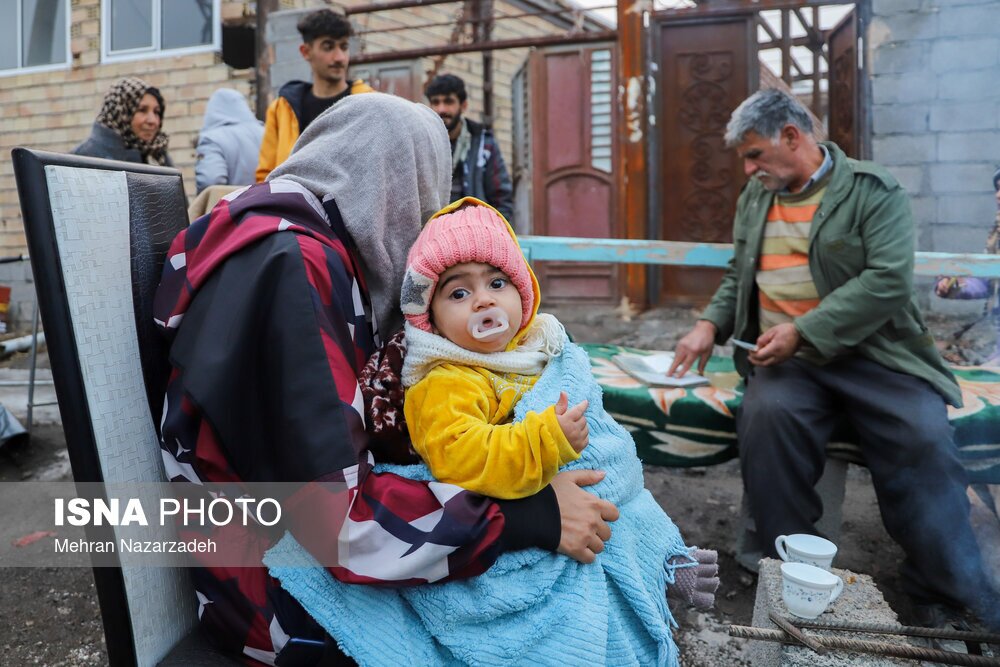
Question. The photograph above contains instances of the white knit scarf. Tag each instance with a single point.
(544, 339)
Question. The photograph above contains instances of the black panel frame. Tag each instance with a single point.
(33, 192)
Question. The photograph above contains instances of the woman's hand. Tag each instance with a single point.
(583, 516)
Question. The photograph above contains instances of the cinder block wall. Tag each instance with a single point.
(935, 67)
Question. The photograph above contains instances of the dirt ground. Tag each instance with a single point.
(49, 616)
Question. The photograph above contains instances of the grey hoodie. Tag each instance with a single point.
(386, 162)
(229, 142)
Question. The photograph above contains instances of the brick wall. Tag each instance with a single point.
(55, 110)
(935, 68)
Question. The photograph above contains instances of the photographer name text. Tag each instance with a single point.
(135, 546)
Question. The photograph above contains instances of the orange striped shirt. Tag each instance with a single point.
(784, 284)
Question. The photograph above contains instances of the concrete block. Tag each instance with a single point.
(965, 54)
(898, 57)
(959, 237)
(950, 117)
(906, 88)
(974, 86)
(924, 210)
(861, 602)
(904, 149)
(969, 145)
(958, 177)
(942, 4)
(968, 209)
(886, 8)
(911, 178)
(913, 25)
(961, 21)
(899, 119)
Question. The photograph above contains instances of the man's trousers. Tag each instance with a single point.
(785, 421)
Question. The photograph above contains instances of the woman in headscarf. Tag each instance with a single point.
(129, 126)
(273, 303)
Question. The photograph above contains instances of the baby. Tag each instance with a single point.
(475, 344)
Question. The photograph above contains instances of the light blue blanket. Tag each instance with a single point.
(532, 607)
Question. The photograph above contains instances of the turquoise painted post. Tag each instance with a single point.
(676, 253)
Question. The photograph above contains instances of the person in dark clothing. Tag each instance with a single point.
(478, 169)
(273, 303)
(129, 126)
(326, 38)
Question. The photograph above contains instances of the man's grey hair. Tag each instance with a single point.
(766, 112)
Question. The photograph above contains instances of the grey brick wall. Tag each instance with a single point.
(935, 68)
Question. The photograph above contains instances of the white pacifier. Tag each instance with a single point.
(488, 323)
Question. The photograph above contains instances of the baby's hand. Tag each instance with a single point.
(572, 422)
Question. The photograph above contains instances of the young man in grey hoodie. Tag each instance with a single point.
(229, 142)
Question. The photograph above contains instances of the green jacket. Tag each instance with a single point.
(861, 259)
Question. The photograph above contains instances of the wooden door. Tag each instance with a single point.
(574, 157)
(845, 109)
(402, 78)
(706, 68)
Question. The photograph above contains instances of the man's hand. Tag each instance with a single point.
(583, 516)
(946, 286)
(572, 422)
(695, 346)
(775, 345)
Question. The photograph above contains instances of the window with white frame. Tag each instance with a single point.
(34, 35)
(134, 29)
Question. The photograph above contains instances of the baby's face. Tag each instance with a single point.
(465, 294)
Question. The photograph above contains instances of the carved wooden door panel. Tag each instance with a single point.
(574, 153)
(706, 68)
(844, 80)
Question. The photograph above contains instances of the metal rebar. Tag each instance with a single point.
(34, 364)
(498, 45)
(399, 4)
(802, 637)
(440, 24)
(894, 629)
(874, 648)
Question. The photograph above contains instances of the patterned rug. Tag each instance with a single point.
(684, 427)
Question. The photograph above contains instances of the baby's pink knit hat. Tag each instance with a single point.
(465, 231)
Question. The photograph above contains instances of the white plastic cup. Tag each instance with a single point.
(808, 590)
(808, 549)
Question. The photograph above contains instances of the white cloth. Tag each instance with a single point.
(544, 339)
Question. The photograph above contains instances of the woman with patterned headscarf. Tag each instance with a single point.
(129, 125)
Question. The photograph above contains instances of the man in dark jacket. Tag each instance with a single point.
(821, 285)
(478, 166)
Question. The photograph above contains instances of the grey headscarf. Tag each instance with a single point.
(387, 163)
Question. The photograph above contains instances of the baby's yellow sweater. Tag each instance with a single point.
(460, 423)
